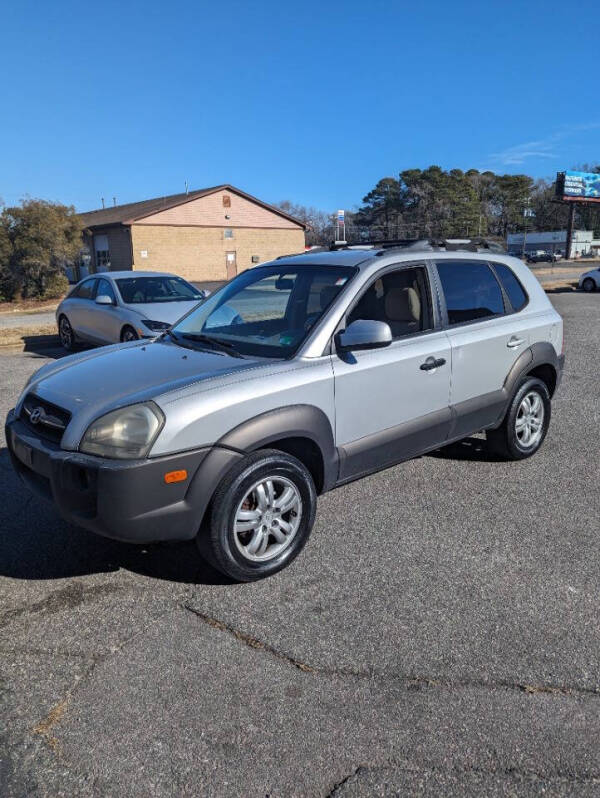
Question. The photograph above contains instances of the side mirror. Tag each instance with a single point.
(103, 299)
(364, 334)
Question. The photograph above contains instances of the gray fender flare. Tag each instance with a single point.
(293, 421)
(541, 353)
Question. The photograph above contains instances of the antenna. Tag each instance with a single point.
(114, 201)
(103, 202)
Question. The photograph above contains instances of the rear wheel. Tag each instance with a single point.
(129, 334)
(66, 334)
(588, 285)
(260, 517)
(526, 422)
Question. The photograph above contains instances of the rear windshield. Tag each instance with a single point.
(140, 290)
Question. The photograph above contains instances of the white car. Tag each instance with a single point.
(590, 281)
(110, 307)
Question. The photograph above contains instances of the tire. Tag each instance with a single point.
(66, 334)
(265, 538)
(531, 401)
(129, 334)
(588, 285)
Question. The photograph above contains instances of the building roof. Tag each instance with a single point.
(133, 211)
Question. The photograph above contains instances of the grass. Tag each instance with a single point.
(30, 305)
(17, 336)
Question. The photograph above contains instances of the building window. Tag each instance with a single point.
(228, 233)
(226, 201)
(102, 259)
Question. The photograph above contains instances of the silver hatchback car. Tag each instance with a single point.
(297, 376)
(123, 306)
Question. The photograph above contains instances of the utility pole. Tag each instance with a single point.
(526, 214)
(570, 226)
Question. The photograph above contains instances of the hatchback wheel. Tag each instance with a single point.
(526, 422)
(260, 517)
(588, 285)
(66, 334)
(129, 334)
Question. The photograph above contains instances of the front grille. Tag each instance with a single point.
(45, 419)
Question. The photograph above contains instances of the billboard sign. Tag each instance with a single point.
(578, 186)
(340, 216)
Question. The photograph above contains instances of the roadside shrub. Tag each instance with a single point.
(40, 239)
(7, 282)
(56, 286)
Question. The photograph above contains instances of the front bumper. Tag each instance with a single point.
(126, 500)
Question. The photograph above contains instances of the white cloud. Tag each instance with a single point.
(542, 148)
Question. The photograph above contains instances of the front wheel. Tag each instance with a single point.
(66, 334)
(588, 285)
(129, 334)
(526, 422)
(260, 517)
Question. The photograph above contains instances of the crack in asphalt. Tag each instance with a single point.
(45, 727)
(510, 772)
(56, 714)
(410, 682)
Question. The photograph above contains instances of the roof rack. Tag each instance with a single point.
(478, 244)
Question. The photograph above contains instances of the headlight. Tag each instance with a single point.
(127, 433)
(156, 326)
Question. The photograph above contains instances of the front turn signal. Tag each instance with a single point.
(175, 476)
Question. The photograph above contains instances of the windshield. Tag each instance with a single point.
(140, 290)
(266, 311)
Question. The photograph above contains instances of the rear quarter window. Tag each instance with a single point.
(471, 290)
(512, 286)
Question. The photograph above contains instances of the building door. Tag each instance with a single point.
(231, 264)
(102, 259)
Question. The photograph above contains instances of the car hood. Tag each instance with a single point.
(169, 312)
(93, 383)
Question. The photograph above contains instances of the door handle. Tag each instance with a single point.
(432, 363)
(514, 342)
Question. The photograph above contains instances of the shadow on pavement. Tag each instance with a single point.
(563, 289)
(48, 346)
(35, 543)
(474, 449)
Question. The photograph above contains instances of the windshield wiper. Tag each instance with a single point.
(219, 344)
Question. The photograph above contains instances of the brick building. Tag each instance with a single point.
(209, 234)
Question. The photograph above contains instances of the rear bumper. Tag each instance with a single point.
(126, 500)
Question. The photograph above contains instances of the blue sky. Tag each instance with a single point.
(311, 102)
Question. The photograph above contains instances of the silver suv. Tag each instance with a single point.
(296, 377)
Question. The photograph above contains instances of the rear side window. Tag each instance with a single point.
(85, 290)
(512, 286)
(471, 291)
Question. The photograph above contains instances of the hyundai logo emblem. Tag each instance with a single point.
(36, 415)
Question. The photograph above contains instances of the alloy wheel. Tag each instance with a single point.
(529, 422)
(66, 333)
(267, 519)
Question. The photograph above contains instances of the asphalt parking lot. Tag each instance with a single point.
(440, 634)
